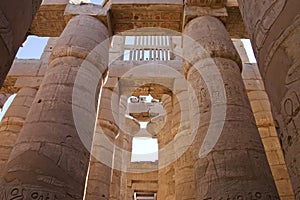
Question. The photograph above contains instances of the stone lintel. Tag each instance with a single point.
(49, 20)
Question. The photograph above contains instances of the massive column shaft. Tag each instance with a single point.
(15, 19)
(232, 163)
(274, 29)
(166, 171)
(115, 187)
(102, 162)
(13, 121)
(181, 129)
(49, 160)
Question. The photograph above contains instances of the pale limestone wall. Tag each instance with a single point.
(141, 176)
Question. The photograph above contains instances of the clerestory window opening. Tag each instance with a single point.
(144, 145)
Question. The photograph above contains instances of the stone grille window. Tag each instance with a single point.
(147, 48)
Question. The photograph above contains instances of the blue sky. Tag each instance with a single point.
(249, 50)
(97, 1)
(34, 46)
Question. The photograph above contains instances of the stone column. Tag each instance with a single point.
(126, 158)
(101, 165)
(129, 128)
(15, 20)
(274, 29)
(13, 121)
(50, 160)
(235, 166)
(181, 129)
(115, 188)
(166, 171)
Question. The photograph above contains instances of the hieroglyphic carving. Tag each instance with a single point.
(23, 193)
(289, 128)
(249, 196)
(274, 47)
(15, 194)
(291, 112)
(233, 92)
(263, 26)
(293, 74)
(259, 17)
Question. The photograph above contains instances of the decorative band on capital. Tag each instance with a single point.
(96, 58)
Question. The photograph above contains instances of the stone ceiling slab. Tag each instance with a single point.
(132, 16)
